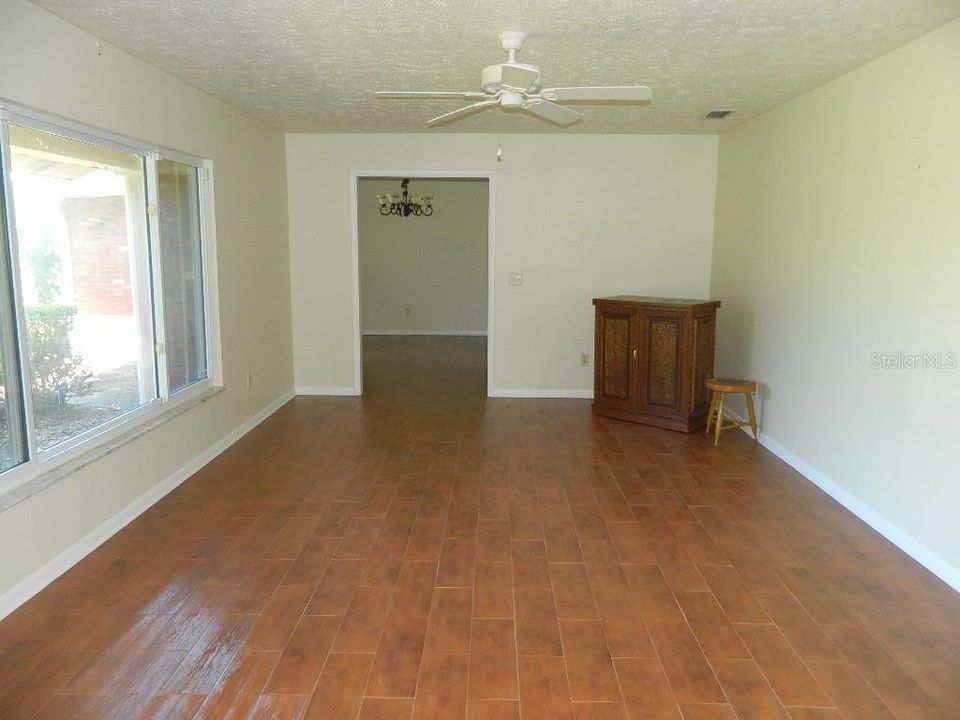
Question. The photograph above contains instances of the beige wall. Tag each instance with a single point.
(50, 65)
(579, 215)
(434, 266)
(837, 236)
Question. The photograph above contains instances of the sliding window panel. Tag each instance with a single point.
(84, 269)
(181, 273)
(13, 445)
(13, 437)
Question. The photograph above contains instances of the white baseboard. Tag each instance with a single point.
(326, 390)
(464, 333)
(50, 571)
(520, 393)
(930, 559)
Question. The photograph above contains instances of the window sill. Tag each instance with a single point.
(31, 485)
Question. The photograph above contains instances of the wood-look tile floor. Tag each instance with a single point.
(424, 553)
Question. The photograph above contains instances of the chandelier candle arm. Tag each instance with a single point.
(403, 205)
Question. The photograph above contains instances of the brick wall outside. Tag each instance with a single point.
(99, 251)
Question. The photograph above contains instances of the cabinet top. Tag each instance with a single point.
(683, 303)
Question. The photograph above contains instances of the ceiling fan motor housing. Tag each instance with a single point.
(491, 78)
(512, 39)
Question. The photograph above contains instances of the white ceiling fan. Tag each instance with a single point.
(513, 85)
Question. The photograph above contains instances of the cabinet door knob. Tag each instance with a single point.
(634, 353)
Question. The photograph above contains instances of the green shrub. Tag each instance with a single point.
(58, 372)
(45, 262)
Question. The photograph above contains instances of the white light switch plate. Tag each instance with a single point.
(516, 279)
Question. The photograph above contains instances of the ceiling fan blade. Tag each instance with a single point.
(552, 112)
(463, 111)
(427, 95)
(516, 77)
(623, 93)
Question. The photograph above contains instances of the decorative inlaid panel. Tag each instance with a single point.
(704, 333)
(616, 357)
(663, 389)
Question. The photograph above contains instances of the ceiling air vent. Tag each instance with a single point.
(717, 114)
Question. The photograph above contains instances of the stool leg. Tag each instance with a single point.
(711, 414)
(753, 416)
(719, 420)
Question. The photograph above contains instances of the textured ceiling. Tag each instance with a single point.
(312, 65)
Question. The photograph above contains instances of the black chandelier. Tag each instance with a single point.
(403, 205)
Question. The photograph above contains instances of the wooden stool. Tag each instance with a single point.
(718, 388)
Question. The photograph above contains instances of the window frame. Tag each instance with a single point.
(40, 463)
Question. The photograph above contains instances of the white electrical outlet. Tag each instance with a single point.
(515, 278)
(585, 359)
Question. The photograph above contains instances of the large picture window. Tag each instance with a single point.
(103, 291)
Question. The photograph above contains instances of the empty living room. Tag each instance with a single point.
(479, 361)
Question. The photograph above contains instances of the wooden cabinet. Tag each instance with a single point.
(652, 356)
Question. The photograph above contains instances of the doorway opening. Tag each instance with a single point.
(422, 285)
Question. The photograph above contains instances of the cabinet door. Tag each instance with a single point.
(663, 342)
(615, 356)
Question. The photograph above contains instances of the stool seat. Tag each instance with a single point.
(731, 385)
(719, 387)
